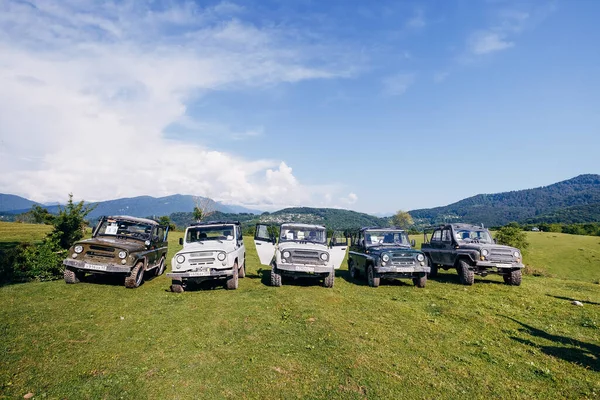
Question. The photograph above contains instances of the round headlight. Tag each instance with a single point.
(286, 254)
(221, 256)
(517, 254)
(324, 256)
(385, 258)
(122, 254)
(421, 257)
(484, 252)
(180, 259)
(78, 249)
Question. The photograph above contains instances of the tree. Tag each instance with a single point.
(166, 221)
(41, 215)
(402, 219)
(69, 224)
(512, 235)
(204, 208)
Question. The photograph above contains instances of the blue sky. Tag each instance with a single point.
(397, 105)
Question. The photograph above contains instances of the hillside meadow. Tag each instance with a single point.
(100, 340)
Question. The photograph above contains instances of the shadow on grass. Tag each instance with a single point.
(210, 284)
(570, 299)
(451, 276)
(568, 349)
(361, 280)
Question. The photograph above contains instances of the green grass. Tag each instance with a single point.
(12, 233)
(100, 340)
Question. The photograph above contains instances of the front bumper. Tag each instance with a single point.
(201, 274)
(97, 267)
(490, 264)
(304, 269)
(407, 270)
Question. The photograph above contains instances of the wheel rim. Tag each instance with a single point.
(371, 275)
(140, 275)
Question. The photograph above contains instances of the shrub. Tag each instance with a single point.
(512, 235)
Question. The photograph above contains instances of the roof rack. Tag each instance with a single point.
(215, 223)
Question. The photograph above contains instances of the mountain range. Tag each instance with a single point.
(575, 200)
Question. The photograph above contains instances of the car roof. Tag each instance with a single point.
(307, 226)
(134, 219)
(463, 226)
(388, 228)
(203, 223)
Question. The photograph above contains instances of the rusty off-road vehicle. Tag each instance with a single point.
(120, 245)
(471, 250)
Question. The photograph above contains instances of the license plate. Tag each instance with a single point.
(404, 269)
(305, 269)
(95, 267)
(199, 273)
(504, 265)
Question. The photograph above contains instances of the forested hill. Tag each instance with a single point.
(330, 217)
(520, 206)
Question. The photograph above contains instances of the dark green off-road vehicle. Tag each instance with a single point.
(386, 253)
(121, 245)
(471, 250)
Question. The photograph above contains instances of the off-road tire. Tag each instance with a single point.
(513, 278)
(71, 276)
(329, 279)
(354, 274)
(466, 276)
(275, 277)
(158, 271)
(420, 281)
(136, 276)
(242, 273)
(372, 277)
(433, 273)
(232, 281)
(176, 286)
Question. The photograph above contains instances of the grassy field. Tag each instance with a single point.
(100, 340)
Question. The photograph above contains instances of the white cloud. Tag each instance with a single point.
(488, 42)
(397, 84)
(87, 95)
(350, 199)
(417, 21)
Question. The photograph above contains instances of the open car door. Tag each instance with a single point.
(338, 245)
(265, 244)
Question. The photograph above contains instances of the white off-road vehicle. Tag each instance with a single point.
(302, 251)
(211, 250)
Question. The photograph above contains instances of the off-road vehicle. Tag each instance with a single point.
(472, 251)
(123, 245)
(211, 250)
(302, 251)
(386, 253)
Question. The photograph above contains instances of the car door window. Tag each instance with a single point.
(446, 236)
(437, 236)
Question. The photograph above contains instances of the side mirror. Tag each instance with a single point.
(413, 243)
(181, 241)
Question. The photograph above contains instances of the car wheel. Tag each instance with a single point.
(71, 276)
(177, 286)
(354, 274)
(434, 268)
(275, 277)
(372, 277)
(513, 278)
(329, 279)
(136, 276)
(420, 280)
(242, 273)
(466, 276)
(158, 271)
(232, 281)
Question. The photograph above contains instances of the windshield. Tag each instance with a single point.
(467, 235)
(116, 227)
(396, 238)
(215, 232)
(302, 233)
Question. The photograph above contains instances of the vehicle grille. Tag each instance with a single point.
(99, 255)
(305, 257)
(202, 254)
(402, 259)
(102, 248)
(502, 255)
(202, 261)
(96, 251)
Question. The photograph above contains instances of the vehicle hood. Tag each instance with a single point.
(212, 245)
(393, 249)
(302, 245)
(128, 244)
